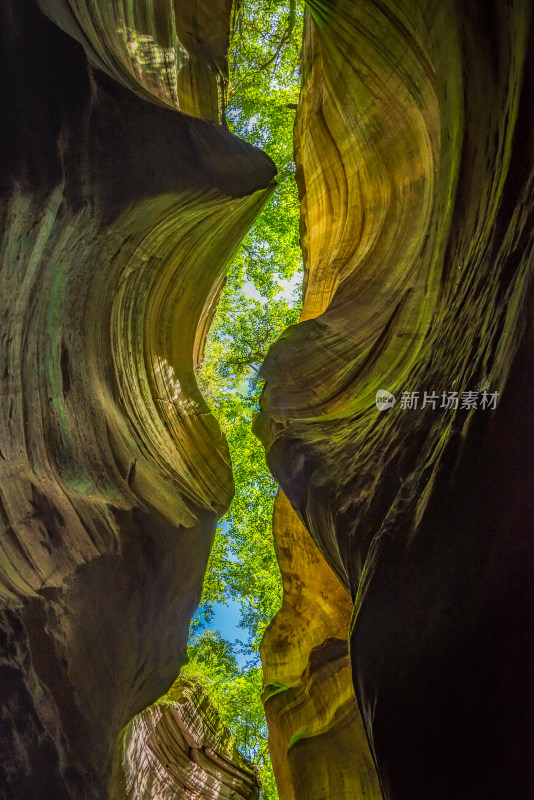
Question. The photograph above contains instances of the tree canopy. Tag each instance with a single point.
(255, 307)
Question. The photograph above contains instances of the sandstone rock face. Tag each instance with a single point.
(180, 750)
(414, 148)
(316, 736)
(118, 217)
(414, 143)
(170, 52)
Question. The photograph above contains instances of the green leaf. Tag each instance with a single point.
(252, 314)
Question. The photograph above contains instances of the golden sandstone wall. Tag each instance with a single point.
(414, 150)
(404, 536)
(316, 737)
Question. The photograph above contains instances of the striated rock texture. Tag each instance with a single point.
(170, 52)
(414, 147)
(118, 218)
(316, 737)
(179, 750)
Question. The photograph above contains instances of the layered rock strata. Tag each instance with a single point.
(169, 52)
(317, 740)
(118, 217)
(414, 148)
(415, 164)
(179, 748)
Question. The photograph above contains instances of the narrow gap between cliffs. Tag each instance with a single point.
(262, 296)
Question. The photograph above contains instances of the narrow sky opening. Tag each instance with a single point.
(261, 298)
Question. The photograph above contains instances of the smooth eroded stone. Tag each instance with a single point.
(119, 217)
(414, 151)
(317, 741)
(179, 749)
(173, 53)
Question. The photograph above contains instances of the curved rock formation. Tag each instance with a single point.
(316, 737)
(414, 144)
(167, 51)
(179, 749)
(119, 216)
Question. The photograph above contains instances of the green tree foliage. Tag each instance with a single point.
(252, 313)
(235, 692)
(262, 97)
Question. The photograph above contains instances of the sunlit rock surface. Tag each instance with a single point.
(414, 147)
(118, 217)
(415, 164)
(170, 51)
(180, 750)
(316, 737)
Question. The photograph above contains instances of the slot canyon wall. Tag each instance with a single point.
(119, 214)
(179, 748)
(414, 151)
(405, 536)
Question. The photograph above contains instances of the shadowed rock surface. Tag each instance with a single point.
(414, 149)
(179, 750)
(118, 219)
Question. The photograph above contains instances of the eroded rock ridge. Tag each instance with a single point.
(414, 151)
(119, 215)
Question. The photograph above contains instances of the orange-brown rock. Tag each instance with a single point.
(316, 737)
(179, 749)
(414, 149)
(415, 160)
